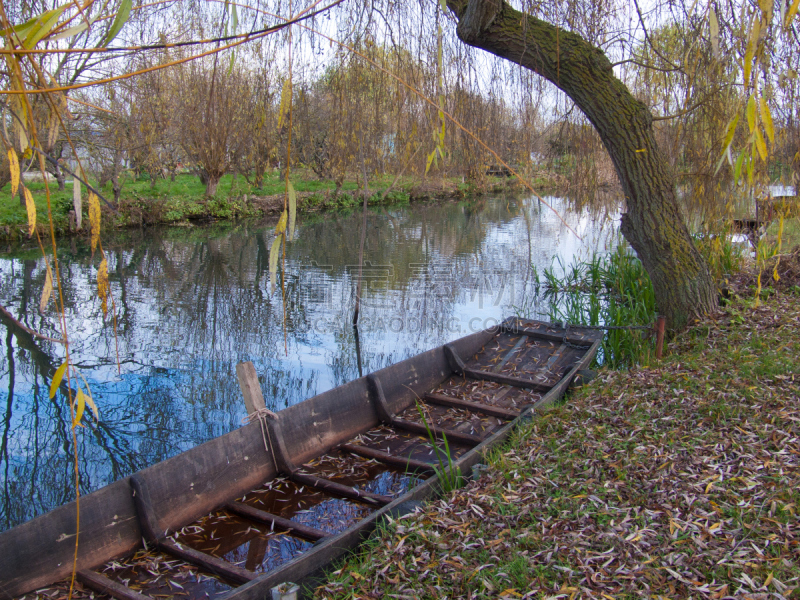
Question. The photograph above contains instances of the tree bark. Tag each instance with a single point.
(212, 181)
(653, 224)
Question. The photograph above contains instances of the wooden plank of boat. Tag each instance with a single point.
(223, 568)
(438, 432)
(143, 500)
(493, 411)
(192, 484)
(514, 350)
(574, 335)
(459, 367)
(103, 585)
(399, 462)
(260, 516)
(338, 489)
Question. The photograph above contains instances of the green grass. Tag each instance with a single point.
(790, 237)
(174, 201)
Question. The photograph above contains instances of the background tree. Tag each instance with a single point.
(653, 224)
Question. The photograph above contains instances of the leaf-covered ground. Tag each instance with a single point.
(680, 480)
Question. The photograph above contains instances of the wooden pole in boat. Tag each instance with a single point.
(251, 389)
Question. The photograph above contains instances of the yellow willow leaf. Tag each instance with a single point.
(94, 218)
(730, 132)
(31, 208)
(281, 226)
(13, 164)
(755, 31)
(292, 210)
(43, 26)
(750, 113)
(59, 375)
(90, 401)
(80, 406)
(792, 12)
(47, 291)
(431, 158)
(102, 285)
(761, 145)
(274, 254)
(737, 169)
(766, 119)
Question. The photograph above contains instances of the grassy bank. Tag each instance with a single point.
(675, 481)
(184, 199)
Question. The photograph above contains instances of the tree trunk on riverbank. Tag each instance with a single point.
(653, 224)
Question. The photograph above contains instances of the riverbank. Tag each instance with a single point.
(675, 480)
(183, 200)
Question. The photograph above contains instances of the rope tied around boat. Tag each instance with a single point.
(261, 415)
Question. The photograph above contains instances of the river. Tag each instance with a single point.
(191, 302)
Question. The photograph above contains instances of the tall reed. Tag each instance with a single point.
(449, 475)
(609, 290)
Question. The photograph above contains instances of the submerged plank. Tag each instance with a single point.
(216, 565)
(339, 489)
(392, 460)
(506, 380)
(103, 585)
(492, 411)
(261, 516)
(438, 432)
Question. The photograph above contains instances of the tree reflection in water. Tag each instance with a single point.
(192, 302)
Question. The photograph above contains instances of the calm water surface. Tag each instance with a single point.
(192, 302)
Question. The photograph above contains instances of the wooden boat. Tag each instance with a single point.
(280, 498)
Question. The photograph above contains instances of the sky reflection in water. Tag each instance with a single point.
(192, 302)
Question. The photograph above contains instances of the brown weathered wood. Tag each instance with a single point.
(506, 380)
(251, 388)
(339, 489)
(39, 552)
(223, 568)
(381, 406)
(104, 585)
(260, 516)
(477, 407)
(153, 534)
(560, 388)
(555, 356)
(455, 361)
(256, 551)
(144, 509)
(575, 340)
(520, 342)
(438, 432)
(392, 460)
(283, 461)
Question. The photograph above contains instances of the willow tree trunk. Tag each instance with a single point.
(653, 224)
